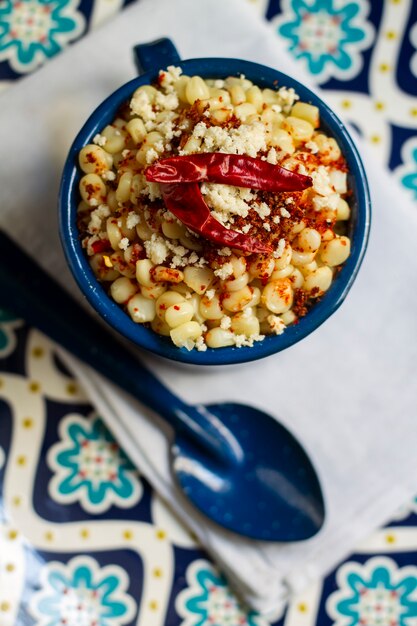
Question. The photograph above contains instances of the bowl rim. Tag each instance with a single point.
(146, 338)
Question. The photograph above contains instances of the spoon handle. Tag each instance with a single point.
(34, 295)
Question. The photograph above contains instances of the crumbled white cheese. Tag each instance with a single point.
(225, 200)
(272, 156)
(224, 271)
(99, 140)
(167, 102)
(96, 218)
(169, 76)
(246, 228)
(156, 249)
(179, 258)
(279, 249)
(193, 258)
(177, 261)
(124, 243)
(224, 251)
(200, 344)
(276, 219)
(246, 139)
(267, 226)
(276, 324)
(303, 170)
(109, 175)
(225, 322)
(210, 293)
(140, 105)
(152, 190)
(289, 200)
(243, 341)
(284, 212)
(287, 97)
(151, 156)
(326, 202)
(125, 153)
(132, 219)
(93, 201)
(166, 128)
(262, 210)
(312, 146)
(321, 181)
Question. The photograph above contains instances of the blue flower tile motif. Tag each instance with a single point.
(377, 593)
(32, 31)
(90, 468)
(208, 601)
(407, 172)
(8, 324)
(81, 592)
(328, 36)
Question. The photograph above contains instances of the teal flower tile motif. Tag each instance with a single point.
(90, 468)
(32, 31)
(81, 592)
(326, 35)
(208, 601)
(8, 323)
(377, 593)
(407, 172)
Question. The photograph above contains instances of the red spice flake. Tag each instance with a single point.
(91, 189)
(176, 307)
(100, 246)
(161, 78)
(138, 252)
(91, 158)
(300, 306)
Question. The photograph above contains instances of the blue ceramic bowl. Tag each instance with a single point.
(149, 59)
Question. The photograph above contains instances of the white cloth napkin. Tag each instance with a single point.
(348, 391)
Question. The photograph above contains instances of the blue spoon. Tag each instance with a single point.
(235, 463)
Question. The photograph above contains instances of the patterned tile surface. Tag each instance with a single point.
(85, 541)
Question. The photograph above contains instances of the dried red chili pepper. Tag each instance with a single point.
(187, 203)
(228, 169)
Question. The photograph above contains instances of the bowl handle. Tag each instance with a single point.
(155, 55)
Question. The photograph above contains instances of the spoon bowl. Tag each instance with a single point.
(269, 491)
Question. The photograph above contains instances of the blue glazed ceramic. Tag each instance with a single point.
(150, 58)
